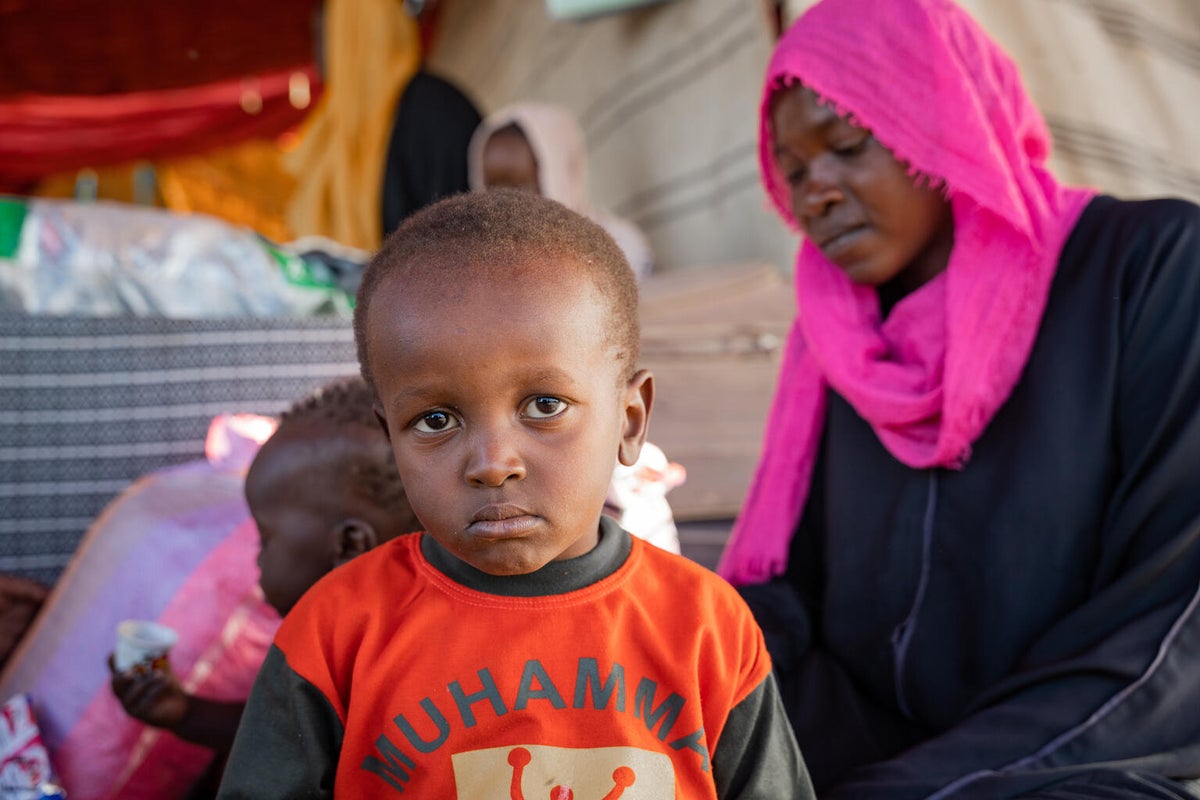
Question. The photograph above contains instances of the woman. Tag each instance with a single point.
(540, 147)
(973, 539)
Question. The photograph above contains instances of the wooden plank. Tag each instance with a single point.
(713, 339)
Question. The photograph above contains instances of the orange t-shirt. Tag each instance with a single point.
(446, 690)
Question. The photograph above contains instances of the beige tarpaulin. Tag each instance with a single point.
(667, 97)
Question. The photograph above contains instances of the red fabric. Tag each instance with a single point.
(41, 135)
(72, 47)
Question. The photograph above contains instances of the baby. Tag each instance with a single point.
(524, 645)
(322, 490)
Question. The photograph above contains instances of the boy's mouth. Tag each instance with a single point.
(501, 521)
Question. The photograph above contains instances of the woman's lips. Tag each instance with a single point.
(840, 241)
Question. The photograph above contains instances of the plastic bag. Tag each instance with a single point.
(115, 259)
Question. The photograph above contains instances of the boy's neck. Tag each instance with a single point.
(557, 577)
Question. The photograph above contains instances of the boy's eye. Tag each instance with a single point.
(435, 422)
(545, 407)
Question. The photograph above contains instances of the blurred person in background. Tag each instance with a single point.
(540, 147)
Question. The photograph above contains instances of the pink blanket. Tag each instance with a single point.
(178, 547)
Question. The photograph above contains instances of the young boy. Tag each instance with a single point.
(322, 490)
(524, 646)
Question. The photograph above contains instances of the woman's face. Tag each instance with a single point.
(854, 200)
(508, 161)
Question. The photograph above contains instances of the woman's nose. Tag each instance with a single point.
(493, 458)
(820, 190)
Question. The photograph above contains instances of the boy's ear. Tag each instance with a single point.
(639, 398)
(375, 407)
(354, 537)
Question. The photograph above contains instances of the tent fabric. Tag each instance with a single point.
(667, 97)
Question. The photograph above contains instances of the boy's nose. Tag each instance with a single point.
(493, 459)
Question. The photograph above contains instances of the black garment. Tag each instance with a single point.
(427, 151)
(1032, 618)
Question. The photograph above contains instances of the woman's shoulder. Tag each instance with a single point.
(1133, 241)
(1150, 216)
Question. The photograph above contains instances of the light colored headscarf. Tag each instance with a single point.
(561, 154)
(372, 50)
(934, 89)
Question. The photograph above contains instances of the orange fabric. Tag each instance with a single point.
(111, 183)
(245, 184)
(372, 50)
(675, 645)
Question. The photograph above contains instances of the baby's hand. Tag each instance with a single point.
(153, 696)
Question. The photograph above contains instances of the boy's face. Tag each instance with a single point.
(296, 498)
(506, 409)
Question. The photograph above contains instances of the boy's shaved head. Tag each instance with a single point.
(484, 236)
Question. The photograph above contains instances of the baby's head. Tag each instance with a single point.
(499, 331)
(323, 489)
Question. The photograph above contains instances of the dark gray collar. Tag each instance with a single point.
(557, 577)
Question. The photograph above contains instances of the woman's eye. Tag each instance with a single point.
(793, 173)
(435, 422)
(854, 147)
(545, 407)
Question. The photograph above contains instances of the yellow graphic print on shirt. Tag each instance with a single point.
(535, 772)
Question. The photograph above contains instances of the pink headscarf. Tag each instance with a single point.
(935, 90)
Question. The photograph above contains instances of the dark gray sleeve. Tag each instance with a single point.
(288, 742)
(756, 755)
